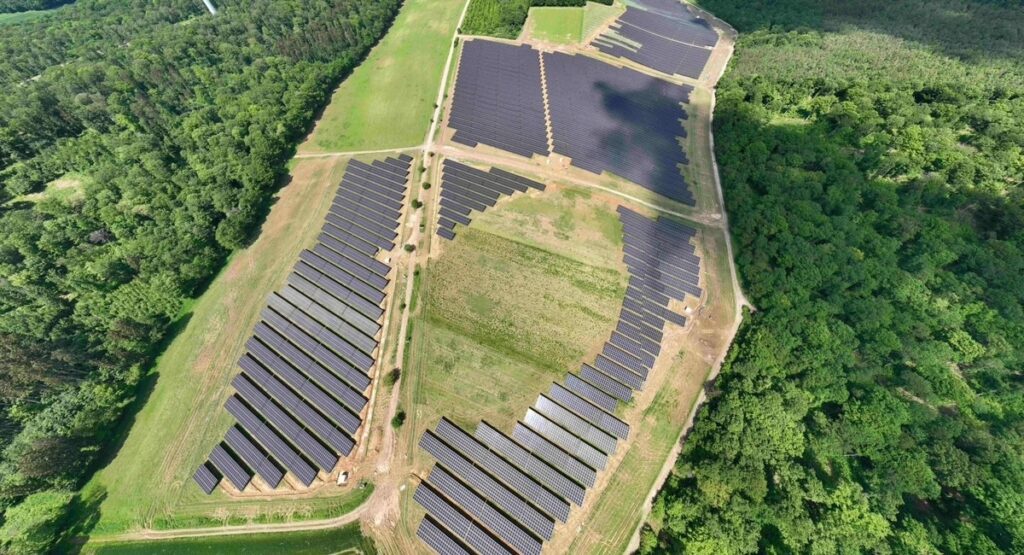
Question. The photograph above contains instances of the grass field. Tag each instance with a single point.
(556, 24)
(503, 319)
(388, 100)
(18, 17)
(148, 484)
(347, 540)
(595, 15)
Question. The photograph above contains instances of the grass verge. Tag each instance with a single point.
(388, 100)
(347, 539)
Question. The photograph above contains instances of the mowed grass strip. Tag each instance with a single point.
(596, 15)
(347, 539)
(560, 25)
(388, 100)
(148, 484)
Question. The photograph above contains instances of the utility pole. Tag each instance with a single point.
(210, 7)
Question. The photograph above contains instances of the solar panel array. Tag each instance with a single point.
(498, 100)
(664, 38)
(617, 120)
(490, 492)
(604, 118)
(466, 191)
(300, 394)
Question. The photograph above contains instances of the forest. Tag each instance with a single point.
(872, 155)
(505, 18)
(11, 6)
(140, 143)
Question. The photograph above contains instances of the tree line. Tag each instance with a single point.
(873, 159)
(505, 18)
(140, 142)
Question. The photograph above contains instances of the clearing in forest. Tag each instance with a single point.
(556, 24)
(388, 100)
(512, 304)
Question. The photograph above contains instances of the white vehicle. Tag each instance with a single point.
(343, 478)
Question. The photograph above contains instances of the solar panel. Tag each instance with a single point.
(238, 475)
(341, 292)
(253, 456)
(446, 234)
(303, 412)
(462, 527)
(589, 411)
(271, 441)
(575, 424)
(438, 539)
(536, 467)
(284, 423)
(555, 455)
(298, 360)
(514, 477)
(360, 340)
(496, 492)
(300, 329)
(620, 374)
(479, 510)
(605, 383)
(586, 390)
(564, 439)
(308, 389)
(206, 478)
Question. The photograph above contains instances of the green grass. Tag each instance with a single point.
(318, 542)
(509, 307)
(556, 24)
(595, 15)
(18, 17)
(387, 102)
(148, 484)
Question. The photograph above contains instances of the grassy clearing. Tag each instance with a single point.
(18, 17)
(556, 24)
(388, 100)
(510, 306)
(596, 15)
(148, 484)
(348, 540)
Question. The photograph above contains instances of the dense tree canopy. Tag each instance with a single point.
(873, 160)
(140, 141)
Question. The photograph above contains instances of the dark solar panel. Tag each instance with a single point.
(524, 459)
(588, 391)
(455, 521)
(497, 466)
(438, 539)
(479, 510)
(271, 441)
(495, 491)
(238, 475)
(206, 478)
(253, 456)
(565, 439)
(605, 383)
(575, 424)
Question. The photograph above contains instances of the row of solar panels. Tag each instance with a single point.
(671, 45)
(300, 394)
(498, 99)
(605, 119)
(466, 190)
(497, 493)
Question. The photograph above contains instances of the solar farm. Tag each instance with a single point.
(301, 389)
(542, 282)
